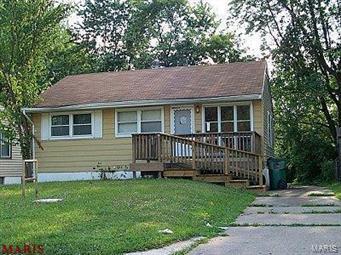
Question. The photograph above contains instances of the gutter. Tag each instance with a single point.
(33, 131)
(140, 103)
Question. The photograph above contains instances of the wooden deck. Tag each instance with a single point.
(167, 155)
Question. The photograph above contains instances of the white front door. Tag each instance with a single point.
(182, 120)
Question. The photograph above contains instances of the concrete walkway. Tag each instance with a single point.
(293, 222)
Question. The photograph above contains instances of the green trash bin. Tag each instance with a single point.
(277, 168)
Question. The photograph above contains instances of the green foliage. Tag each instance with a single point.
(301, 133)
(113, 217)
(102, 30)
(328, 170)
(66, 57)
(306, 83)
(139, 32)
(28, 32)
(336, 187)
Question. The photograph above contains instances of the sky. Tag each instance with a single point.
(251, 43)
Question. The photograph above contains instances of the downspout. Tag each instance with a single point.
(33, 131)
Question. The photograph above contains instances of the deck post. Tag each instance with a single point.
(159, 148)
(133, 154)
(35, 163)
(253, 142)
(193, 155)
(226, 161)
(23, 176)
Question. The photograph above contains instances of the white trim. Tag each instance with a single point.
(235, 121)
(251, 117)
(44, 126)
(12, 180)
(219, 118)
(71, 136)
(138, 111)
(98, 126)
(78, 176)
(141, 103)
(182, 107)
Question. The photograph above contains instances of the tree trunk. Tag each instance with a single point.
(338, 159)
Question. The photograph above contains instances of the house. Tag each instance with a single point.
(156, 120)
(10, 160)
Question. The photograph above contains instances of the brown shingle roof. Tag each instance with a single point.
(223, 80)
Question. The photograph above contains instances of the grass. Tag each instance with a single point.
(336, 188)
(113, 217)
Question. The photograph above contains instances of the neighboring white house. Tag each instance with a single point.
(10, 161)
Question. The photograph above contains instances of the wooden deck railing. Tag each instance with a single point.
(245, 141)
(204, 157)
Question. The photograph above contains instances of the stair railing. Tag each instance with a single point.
(204, 157)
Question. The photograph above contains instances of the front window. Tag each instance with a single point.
(60, 125)
(82, 124)
(127, 122)
(228, 118)
(243, 118)
(151, 121)
(211, 117)
(139, 121)
(5, 147)
(71, 125)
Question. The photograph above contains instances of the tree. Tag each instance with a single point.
(66, 57)
(140, 31)
(27, 33)
(307, 41)
(102, 30)
(304, 37)
(222, 48)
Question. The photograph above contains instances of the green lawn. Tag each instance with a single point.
(336, 187)
(112, 217)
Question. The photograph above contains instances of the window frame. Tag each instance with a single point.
(71, 135)
(235, 117)
(138, 120)
(2, 142)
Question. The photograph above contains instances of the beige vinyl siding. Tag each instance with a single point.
(258, 117)
(198, 119)
(12, 167)
(167, 122)
(84, 154)
(267, 107)
(76, 155)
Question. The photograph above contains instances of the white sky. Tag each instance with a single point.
(251, 43)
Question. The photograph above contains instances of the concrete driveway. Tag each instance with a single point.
(287, 222)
